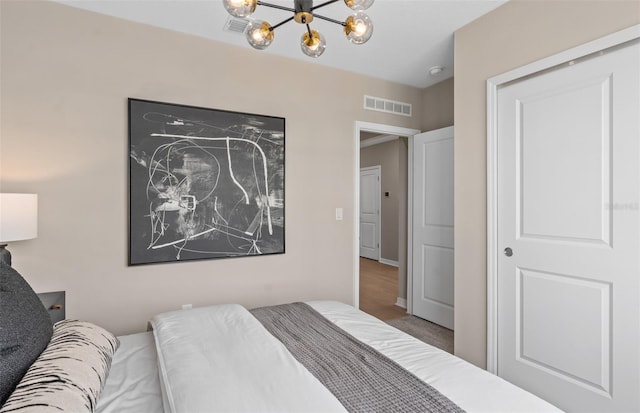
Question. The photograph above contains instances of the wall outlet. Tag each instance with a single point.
(187, 306)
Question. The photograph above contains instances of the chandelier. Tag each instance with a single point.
(357, 27)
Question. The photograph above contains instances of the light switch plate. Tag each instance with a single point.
(338, 214)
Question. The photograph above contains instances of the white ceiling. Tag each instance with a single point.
(409, 37)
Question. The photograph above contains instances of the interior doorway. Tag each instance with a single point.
(390, 133)
(381, 187)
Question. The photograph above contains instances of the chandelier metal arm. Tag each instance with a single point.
(326, 3)
(281, 23)
(279, 7)
(275, 6)
(329, 19)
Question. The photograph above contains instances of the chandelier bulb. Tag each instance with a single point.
(259, 34)
(358, 5)
(358, 28)
(240, 8)
(313, 43)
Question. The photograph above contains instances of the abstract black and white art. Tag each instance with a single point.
(204, 183)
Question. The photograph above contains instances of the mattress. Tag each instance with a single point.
(233, 347)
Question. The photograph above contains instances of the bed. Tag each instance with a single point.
(270, 359)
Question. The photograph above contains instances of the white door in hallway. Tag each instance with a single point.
(568, 232)
(432, 242)
(370, 212)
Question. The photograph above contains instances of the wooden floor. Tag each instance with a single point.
(379, 290)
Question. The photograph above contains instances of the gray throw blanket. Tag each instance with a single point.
(361, 378)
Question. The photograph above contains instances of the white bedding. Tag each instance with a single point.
(220, 358)
(133, 384)
(470, 387)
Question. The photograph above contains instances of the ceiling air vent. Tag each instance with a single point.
(236, 25)
(386, 105)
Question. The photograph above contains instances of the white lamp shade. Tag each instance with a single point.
(18, 217)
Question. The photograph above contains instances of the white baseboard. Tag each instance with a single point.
(401, 302)
(389, 262)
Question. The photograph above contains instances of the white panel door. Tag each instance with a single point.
(569, 233)
(432, 242)
(370, 212)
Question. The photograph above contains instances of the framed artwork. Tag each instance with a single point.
(203, 183)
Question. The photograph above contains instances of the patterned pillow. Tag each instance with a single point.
(69, 374)
(25, 329)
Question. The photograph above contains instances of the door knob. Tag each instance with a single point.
(508, 252)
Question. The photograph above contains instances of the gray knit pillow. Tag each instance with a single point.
(25, 329)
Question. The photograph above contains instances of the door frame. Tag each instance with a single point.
(565, 58)
(378, 169)
(360, 126)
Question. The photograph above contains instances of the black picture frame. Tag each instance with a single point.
(204, 183)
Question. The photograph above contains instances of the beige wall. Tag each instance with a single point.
(513, 35)
(437, 105)
(66, 75)
(387, 156)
